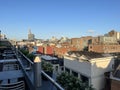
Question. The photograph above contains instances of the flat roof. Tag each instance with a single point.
(46, 57)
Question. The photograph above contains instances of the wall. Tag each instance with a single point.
(40, 49)
(98, 68)
(81, 43)
(115, 84)
(104, 48)
(95, 48)
(82, 67)
(49, 50)
(107, 40)
(94, 69)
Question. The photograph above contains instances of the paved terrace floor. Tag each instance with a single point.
(46, 84)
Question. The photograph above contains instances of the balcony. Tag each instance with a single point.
(17, 72)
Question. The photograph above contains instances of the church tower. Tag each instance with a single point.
(30, 35)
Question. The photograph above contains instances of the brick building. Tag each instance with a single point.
(104, 48)
(115, 84)
(48, 50)
(107, 40)
(40, 49)
(94, 40)
(81, 43)
(60, 51)
(112, 81)
(115, 34)
(115, 79)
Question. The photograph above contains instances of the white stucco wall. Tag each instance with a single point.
(98, 68)
(98, 82)
(94, 69)
(82, 67)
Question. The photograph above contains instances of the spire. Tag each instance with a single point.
(29, 31)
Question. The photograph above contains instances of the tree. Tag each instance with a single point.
(47, 67)
(70, 82)
(27, 54)
(31, 56)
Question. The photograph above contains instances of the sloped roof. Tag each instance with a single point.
(89, 55)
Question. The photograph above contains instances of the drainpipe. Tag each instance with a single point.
(37, 72)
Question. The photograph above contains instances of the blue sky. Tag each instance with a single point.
(69, 18)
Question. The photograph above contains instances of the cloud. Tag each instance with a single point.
(91, 31)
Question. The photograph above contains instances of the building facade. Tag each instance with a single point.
(81, 43)
(89, 69)
(31, 36)
(107, 40)
(115, 34)
(104, 48)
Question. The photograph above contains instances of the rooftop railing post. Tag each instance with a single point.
(0, 36)
(37, 72)
(16, 50)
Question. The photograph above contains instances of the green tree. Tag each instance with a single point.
(69, 82)
(47, 67)
(31, 56)
(25, 52)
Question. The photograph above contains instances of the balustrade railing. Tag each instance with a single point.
(28, 65)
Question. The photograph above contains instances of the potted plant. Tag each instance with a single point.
(47, 67)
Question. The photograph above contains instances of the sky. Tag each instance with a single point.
(58, 18)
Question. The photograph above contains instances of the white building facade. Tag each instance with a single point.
(90, 70)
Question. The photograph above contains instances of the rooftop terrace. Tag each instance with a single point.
(17, 72)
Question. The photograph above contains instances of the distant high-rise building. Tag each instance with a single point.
(30, 35)
(115, 34)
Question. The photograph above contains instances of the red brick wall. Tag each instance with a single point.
(40, 49)
(49, 50)
(101, 48)
(96, 48)
(62, 50)
(115, 85)
(80, 43)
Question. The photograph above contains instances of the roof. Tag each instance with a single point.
(48, 57)
(89, 55)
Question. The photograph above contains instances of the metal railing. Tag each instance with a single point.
(10, 67)
(52, 81)
(26, 57)
(47, 76)
(14, 86)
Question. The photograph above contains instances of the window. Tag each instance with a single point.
(90, 46)
(75, 74)
(84, 78)
(56, 68)
(67, 70)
